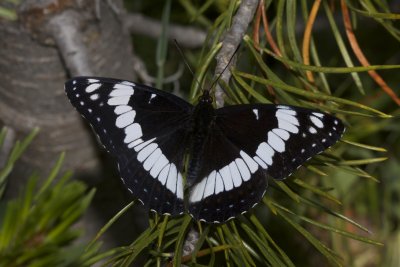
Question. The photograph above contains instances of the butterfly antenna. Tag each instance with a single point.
(185, 61)
(227, 65)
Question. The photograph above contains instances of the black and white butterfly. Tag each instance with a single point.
(230, 150)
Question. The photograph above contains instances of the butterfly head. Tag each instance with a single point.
(205, 98)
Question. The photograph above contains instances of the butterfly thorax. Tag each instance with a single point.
(202, 122)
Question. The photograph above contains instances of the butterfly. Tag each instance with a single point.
(225, 154)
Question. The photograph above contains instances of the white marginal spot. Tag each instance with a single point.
(265, 152)
(303, 150)
(77, 95)
(255, 111)
(219, 184)
(82, 103)
(330, 134)
(118, 100)
(172, 178)
(93, 87)
(336, 122)
(98, 119)
(159, 165)
(312, 130)
(125, 119)
(92, 80)
(275, 142)
(179, 186)
(135, 143)
(317, 122)
(198, 191)
(253, 166)
(164, 174)
(235, 174)
(143, 144)
(132, 132)
(243, 169)
(226, 177)
(74, 82)
(260, 162)
(281, 133)
(90, 110)
(94, 97)
(122, 109)
(152, 159)
(323, 140)
(210, 186)
(145, 152)
(304, 135)
(314, 145)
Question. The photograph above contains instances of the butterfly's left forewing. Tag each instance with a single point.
(145, 129)
(249, 141)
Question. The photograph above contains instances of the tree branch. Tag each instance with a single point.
(64, 28)
(231, 41)
(186, 36)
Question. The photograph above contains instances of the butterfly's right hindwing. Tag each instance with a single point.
(145, 129)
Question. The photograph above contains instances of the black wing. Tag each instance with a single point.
(145, 129)
(249, 141)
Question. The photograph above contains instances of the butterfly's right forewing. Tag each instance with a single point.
(145, 129)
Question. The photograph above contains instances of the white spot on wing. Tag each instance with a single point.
(135, 143)
(198, 191)
(128, 83)
(281, 133)
(179, 187)
(128, 91)
(235, 174)
(226, 177)
(265, 152)
(243, 169)
(122, 109)
(317, 114)
(132, 132)
(255, 111)
(312, 130)
(287, 115)
(93, 87)
(253, 166)
(210, 186)
(219, 184)
(118, 100)
(94, 97)
(142, 145)
(161, 162)
(275, 142)
(92, 80)
(317, 122)
(260, 162)
(152, 159)
(172, 178)
(145, 152)
(125, 119)
(164, 174)
(282, 124)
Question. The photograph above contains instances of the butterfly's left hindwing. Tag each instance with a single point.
(248, 143)
(145, 129)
